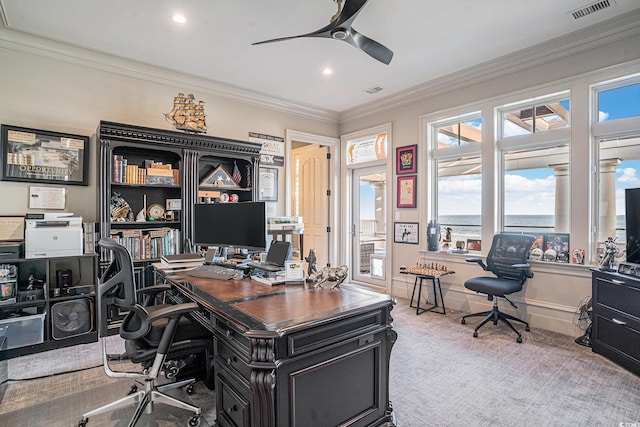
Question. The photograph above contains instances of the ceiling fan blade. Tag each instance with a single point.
(369, 46)
(322, 32)
(349, 11)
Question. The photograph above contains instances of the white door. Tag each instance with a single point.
(310, 198)
(369, 225)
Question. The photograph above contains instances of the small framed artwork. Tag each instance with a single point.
(556, 247)
(406, 161)
(474, 244)
(32, 155)
(406, 232)
(268, 184)
(406, 191)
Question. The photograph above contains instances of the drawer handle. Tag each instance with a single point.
(228, 333)
(617, 282)
(232, 360)
(618, 322)
(234, 408)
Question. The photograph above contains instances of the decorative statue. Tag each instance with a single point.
(312, 268)
(335, 275)
(607, 262)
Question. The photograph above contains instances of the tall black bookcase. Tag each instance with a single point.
(148, 168)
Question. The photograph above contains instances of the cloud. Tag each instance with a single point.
(602, 116)
(628, 176)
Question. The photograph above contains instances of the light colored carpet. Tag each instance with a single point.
(439, 376)
(61, 360)
(442, 376)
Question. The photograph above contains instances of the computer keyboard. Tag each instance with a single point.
(212, 271)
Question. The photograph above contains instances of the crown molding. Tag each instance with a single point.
(601, 34)
(22, 42)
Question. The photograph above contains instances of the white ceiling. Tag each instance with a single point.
(430, 39)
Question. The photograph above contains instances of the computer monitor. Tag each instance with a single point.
(240, 225)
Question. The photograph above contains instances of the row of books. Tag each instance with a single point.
(149, 173)
(149, 243)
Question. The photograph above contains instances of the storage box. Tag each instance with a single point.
(22, 331)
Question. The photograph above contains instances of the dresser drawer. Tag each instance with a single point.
(618, 295)
(617, 331)
(231, 335)
(335, 332)
(229, 358)
(232, 408)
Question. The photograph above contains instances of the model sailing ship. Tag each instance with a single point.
(186, 115)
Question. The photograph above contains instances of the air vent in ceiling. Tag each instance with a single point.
(374, 89)
(590, 9)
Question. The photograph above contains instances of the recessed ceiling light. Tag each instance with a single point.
(327, 71)
(180, 19)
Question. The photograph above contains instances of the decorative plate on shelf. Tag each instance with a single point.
(155, 211)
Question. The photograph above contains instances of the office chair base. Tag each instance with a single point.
(496, 315)
(145, 400)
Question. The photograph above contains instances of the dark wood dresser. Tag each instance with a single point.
(616, 318)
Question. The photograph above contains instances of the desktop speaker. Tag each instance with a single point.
(71, 318)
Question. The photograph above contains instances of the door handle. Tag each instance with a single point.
(353, 230)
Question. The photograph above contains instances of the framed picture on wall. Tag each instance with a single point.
(406, 191)
(32, 155)
(406, 232)
(268, 184)
(406, 161)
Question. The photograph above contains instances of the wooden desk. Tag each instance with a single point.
(291, 355)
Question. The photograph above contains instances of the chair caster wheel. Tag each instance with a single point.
(83, 422)
(190, 389)
(519, 340)
(134, 388)
(528, 329)
(194, 421)
(463, 321)
(475, 334)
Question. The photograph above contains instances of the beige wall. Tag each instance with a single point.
(67, 95)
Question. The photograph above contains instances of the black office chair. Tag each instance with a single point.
(507, 261)
(158, 337)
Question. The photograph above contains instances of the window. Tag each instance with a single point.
(539, 117)
(534, 147)
(460, 198)
(460, 133)
(619, 166)
(619, 103)
(616, 130)
(457, 162)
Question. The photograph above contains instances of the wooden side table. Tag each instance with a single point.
(421, 275)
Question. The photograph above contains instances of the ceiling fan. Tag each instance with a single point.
(340, 28)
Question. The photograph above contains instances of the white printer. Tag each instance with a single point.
(52, 235)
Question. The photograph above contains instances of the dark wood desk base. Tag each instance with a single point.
(293, 355)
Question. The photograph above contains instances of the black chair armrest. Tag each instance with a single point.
(173, 311)
(525, 267)
(477, 261)
(151, 292)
